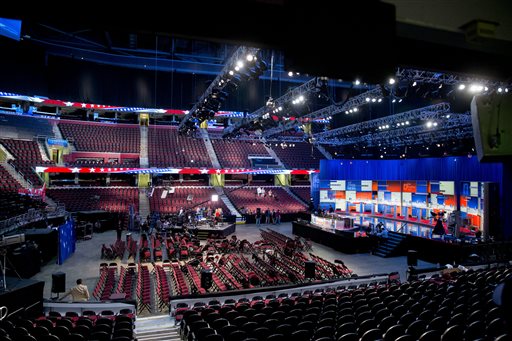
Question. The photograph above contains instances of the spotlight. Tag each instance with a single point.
(393, 101)
(387, 126)
(357, 82)
(462, 87)
(486, 89)
(429, 124)
(346, 112)
(367, 99)
(301, 98)
(391, 81)
(240, 64)
(373, 100)
(249, 57)
(500, 89)
(231, 72)
(447, 116)
(237, 68)
(414, 83)
(382, 156)
(476, 88)
(350, 111)
(290, 74)
(434, 124)
(400, 100)
(280, 108)
(440, 86)
(379, 100)
(355, 109)
(407, 122)
(506, 89)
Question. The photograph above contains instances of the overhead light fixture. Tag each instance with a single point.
(414, 83)
(393, 101)
(290, 74)
(379, 100)
(231, 72)
(240, 64)
(500, 89)
(476, 88)
(367, 99)
(373, 100)
(356, 109)
(357, 82)
(400, 100)
(440, 86)
(429, 124)
(462, 86)
(249, 57)
(391, 81)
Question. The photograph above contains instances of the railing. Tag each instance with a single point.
(32, 215)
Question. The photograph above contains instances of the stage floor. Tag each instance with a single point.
(84, 263)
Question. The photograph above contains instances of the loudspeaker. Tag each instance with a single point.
(206, 278)
(491, 116)
(310, 269)
(58, 282)
(412, 258)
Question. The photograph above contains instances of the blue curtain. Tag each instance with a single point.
(67, 241)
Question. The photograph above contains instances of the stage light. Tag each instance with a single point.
(387, 126)
(290, 74)
(506, 89)
(429, 124)
(350, 111)
(382, 156)
(357, 82)
(346, 112)
(414, 83)
(440, 86)
(301, 98)
(400, 100)
(373, 100)
(379, 100)
(367, 99)
(237, 68)
(215, 197)
(231, 73)
(280, 108)
(434, 124)
(500, 89)
(240, 64)
(486, 89)
(407, 122)
(356, 109)
(391, 81)
(250, 57)
(462, 87)
(447, 116)
(476, 88)
(393, 101)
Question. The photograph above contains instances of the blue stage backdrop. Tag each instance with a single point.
(66, 241)
(445, 169)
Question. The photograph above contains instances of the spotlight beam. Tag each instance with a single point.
(239, 54)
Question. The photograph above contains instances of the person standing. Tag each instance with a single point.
(119, 229)
(278, 217)
(258, 218)
(267, 216)
(80, 293)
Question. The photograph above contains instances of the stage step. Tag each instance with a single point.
(202, 235)
(391, 246)
(156, 328)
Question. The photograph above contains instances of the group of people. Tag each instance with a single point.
(271, 217)
(261, 193)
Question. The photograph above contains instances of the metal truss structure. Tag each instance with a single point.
(240, 53)
(309, 86)
(422, 76)
(458, 126)
(329, 111)
(425, 113)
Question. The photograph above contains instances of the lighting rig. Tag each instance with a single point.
(262, 118)
(243, 65)
(423, 125)
(351, 105)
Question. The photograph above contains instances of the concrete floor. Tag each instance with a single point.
(84, 263)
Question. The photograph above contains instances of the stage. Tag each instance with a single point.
(340, 240)
(221, 230)
(23, 297)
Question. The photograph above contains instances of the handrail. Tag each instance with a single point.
(32, 215)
